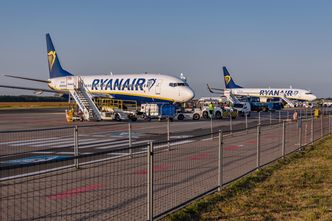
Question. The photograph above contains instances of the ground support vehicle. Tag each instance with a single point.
(158, 111)
(195, 114)
(243, 108)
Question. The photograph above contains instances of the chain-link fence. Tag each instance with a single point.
(112, 172)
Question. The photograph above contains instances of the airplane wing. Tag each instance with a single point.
(37, 90)
(215, 90)
(29, 79)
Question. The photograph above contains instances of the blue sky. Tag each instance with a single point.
(263, 43)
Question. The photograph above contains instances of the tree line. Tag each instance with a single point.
(31, 98)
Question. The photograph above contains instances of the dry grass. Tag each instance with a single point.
(298, 188)
(24, 105)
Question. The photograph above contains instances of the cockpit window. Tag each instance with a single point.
(178, 84)
(308, 93)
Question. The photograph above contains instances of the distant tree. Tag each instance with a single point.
(31, 98)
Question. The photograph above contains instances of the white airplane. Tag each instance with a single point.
(287, 94)
(139, 87)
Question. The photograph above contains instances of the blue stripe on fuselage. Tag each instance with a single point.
(138, 98)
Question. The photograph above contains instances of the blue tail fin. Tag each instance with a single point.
(53, 61)
(229, 83)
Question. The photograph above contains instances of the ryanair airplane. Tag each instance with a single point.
(286, 94)
(139, 87)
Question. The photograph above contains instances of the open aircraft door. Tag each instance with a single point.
(72, 82)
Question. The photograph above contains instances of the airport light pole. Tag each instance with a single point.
(220, 159)
(259, 117)
(150, 182)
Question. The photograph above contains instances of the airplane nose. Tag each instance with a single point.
(190, 94)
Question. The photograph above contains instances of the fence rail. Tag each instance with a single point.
(144, 180)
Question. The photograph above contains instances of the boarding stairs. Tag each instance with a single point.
(289, 102)
(231, 97)
(83, 99)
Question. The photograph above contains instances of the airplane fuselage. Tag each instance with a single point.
(139, 87)
(289, 93)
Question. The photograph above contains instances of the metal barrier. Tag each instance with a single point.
(131, 179)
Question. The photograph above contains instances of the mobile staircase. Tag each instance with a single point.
(83, 99)
(231, 97)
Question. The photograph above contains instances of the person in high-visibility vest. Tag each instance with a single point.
(211, 109)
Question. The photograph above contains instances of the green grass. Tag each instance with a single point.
(297, 188)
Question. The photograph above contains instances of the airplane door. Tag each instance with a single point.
(72, 82)
(158, 86)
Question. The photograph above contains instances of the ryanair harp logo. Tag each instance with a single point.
(228, 79)
(51, 58)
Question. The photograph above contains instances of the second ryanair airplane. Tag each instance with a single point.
(139, 87)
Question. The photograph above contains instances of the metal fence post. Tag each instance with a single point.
(211, 127)
(220, 166)
(129, 139)
(76, 152)
(300, 131)
(258, 146)
(283, 142)
(168, 134)
(279, 116)
(329, 124)
(246, 115)
(150, 182)
(270, 117)
(230, 123)
(312, 129)
(321, 126)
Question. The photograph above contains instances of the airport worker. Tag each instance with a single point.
(211, 109)
(316, 113)
(295, 116)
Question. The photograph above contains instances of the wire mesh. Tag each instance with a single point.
(270, 143)
(108, 190)
(47, 175)
(188, 170)
(239, 155)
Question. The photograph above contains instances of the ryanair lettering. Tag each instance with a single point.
(121, 84)
(288, 93)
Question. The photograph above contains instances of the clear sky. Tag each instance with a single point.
(263, 43)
